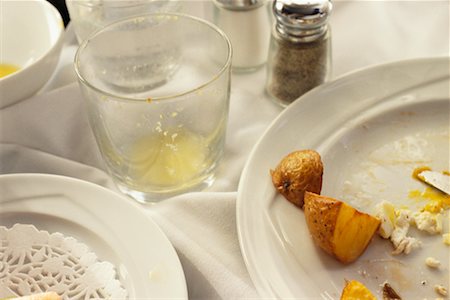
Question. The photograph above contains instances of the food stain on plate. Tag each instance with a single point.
(391, 270)
(388, 173)
(385, 173)
(7, 69)
(436, 200)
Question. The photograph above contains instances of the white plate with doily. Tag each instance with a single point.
(112, 227)
(371, 128)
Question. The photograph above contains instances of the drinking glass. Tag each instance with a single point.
(157, 90)
(88, 16)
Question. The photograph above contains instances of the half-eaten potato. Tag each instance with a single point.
(337, 227)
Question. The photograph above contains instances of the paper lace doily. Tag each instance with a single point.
(34, 261)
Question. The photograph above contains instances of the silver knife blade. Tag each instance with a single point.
(438, 180)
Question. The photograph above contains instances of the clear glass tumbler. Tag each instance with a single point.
(157, 90)
(89, 16)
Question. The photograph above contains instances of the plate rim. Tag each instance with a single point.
(86, 185)
(263, 289)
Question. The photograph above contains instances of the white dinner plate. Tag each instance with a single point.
(113, 227)
(372, 128)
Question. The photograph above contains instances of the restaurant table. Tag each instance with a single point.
(49, 133)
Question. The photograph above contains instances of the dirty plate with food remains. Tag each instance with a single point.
(372, 128)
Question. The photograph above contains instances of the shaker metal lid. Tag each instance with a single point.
(302, 13)
(240, 4)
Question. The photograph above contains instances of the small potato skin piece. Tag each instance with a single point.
(338, 228)
(297, 172)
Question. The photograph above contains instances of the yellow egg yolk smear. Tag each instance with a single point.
(6, 69)
(419, 170)
(437, 200)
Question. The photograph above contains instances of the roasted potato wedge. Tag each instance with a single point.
(355, 290)
(296, 173)
(338, 228)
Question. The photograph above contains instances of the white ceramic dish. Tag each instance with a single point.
(31, 39)
(114, 228)
(371, 127)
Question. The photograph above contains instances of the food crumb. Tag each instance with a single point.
(389, 292)
(432, 262)
(363, 273)
(423, 282)
(446, 238)
(440, 289)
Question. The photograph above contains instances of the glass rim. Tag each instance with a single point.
(84, 44)
(114, 3)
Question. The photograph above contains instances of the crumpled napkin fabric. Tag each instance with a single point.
(50, 133)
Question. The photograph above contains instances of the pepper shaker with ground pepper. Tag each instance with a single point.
(300, 48)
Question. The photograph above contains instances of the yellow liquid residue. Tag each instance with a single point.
(419, 170)
(436, 200)
(6, 69)
(169, 158)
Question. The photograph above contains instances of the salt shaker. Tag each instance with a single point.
(300, 48)
(247, 24)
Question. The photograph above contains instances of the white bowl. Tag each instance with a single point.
(31, 39)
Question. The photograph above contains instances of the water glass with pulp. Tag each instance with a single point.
(157, 89)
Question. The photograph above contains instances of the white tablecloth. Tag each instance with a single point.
(49, 133)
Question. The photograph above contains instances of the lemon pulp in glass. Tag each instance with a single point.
(168, 159)
(6, 69)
